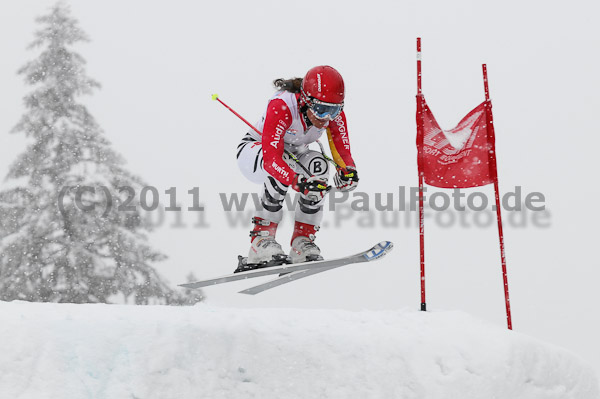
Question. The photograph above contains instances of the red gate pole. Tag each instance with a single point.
(494, 170)
(420, 168)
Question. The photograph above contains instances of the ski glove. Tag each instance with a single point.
(346, 179)
(314, 188)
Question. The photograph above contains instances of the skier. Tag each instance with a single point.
(297, 115)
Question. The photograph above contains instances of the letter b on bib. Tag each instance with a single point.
(317, 165)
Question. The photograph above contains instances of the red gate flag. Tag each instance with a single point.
(462, 157)
(459, 157)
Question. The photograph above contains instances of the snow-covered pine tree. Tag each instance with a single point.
(51, 249)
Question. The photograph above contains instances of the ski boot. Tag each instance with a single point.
(303, 244)
(264, 250)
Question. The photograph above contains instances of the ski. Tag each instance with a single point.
(376, 252)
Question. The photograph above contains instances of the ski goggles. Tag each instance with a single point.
(325, 110)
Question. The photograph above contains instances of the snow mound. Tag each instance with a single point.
(111, 351)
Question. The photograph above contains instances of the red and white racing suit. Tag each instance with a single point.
(263, 159)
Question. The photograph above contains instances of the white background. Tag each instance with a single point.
(160, 61)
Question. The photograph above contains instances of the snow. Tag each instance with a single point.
(113, 351)
(458, 139)
(458, 136)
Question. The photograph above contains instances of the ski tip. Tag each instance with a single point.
(386, 244)
(379, 250)
(215, 96)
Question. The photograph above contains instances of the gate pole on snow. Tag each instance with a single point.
(494, 173)
(420, 167)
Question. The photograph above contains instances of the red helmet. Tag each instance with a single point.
(325, 84)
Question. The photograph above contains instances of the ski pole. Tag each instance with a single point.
(326, 157)
(216, 97)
